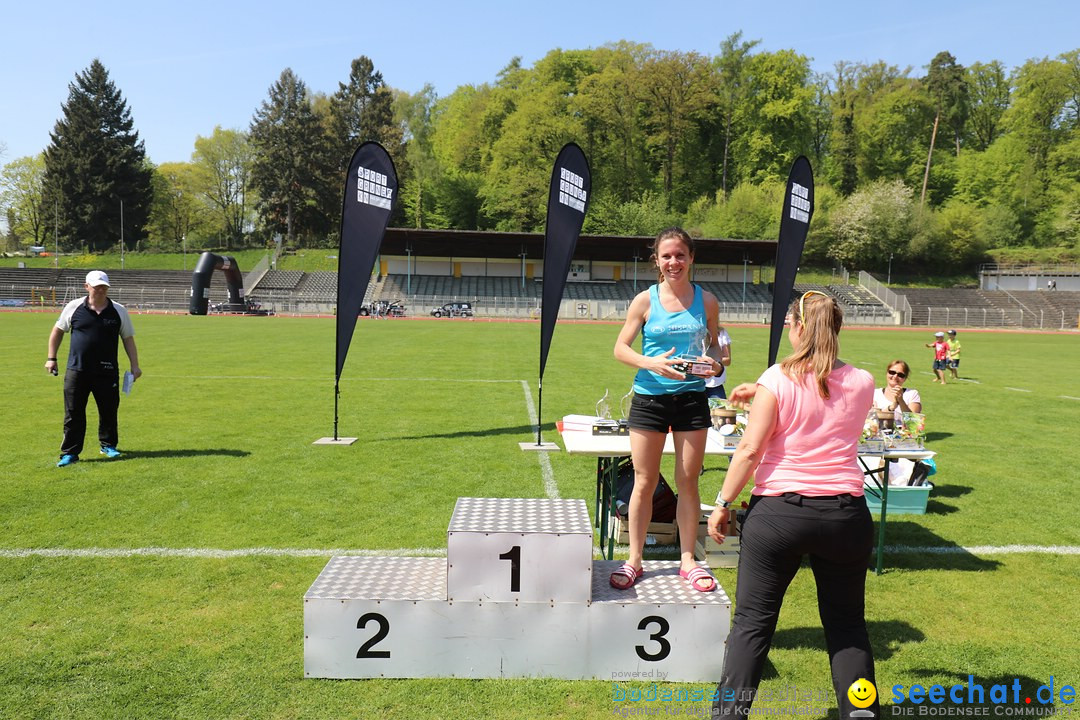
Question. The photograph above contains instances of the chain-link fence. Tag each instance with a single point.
(1000, 318)
(297, 303)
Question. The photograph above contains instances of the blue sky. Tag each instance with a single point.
(185, 67)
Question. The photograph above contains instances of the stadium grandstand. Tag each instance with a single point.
(501, 275)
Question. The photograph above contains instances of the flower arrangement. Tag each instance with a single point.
(727, 420)
(871, 439)
(908, 434)
(911, 432)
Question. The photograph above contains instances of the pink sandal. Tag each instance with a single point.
(700, 579)
(626, 576)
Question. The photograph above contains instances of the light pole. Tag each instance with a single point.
(636, 258)
(408, 270)
(888, 278)
(183, 243)
(745, 260)
(121, 233)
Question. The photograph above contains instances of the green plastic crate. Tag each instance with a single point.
(902, 500)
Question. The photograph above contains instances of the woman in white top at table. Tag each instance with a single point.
(721, 352)
(894, 396)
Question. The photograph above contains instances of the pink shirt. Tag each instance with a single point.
(813, 448)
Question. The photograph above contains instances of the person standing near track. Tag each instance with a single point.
(800, 445)
(941, 356)
(954, 355)
(96, 324)
(670, 316)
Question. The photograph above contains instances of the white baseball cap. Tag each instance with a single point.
(97, 277)
(939, 334)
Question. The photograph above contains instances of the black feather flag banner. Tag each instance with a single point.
(568, 201)
(794, 223)
(371, 189)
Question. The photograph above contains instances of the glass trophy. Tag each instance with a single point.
(604, 425)
(624, 410)
(695, 360)
(603, 407)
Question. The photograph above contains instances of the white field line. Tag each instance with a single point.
(1017, 389)
(1068, 397)
(218, 553)
(331, 379)
(551, 489)
(214, 553)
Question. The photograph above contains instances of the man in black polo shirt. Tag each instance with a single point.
(96, 325)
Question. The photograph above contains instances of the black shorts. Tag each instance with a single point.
(681, 412)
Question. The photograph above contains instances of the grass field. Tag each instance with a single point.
(180, 608)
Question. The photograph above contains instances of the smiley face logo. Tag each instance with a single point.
(862, 693)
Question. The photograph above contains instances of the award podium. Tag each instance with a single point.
(517, 596)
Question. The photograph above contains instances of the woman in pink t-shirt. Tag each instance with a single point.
(801, 439)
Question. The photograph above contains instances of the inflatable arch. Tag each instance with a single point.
(200, 283)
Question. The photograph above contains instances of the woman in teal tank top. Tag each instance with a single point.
(672, 317)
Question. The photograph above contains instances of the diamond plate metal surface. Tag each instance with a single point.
(661, 584)
(380, 578)
(521, 515)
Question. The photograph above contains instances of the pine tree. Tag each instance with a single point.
(94, 165)
(362, 111)
(290, 171)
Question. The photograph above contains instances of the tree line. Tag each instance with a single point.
(949, 166)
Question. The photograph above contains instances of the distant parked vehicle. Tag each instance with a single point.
(457, 309)
(383, 308)
(248, 307)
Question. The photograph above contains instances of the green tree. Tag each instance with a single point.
(538, 122)
(989, 98)
(458, 143)
(946, 84)
(843, 142)
(610, 101)
(1000, 227)
(732, 91)
(362, 110)
(292, 167)
(95, 165)
(890, 127)
(677, 87)
(1038, 114)
(22, 198)
(776, 115)
(179, 209)
(1072, 64)
(223, 165)
(873, 223)
(954, 237)
(609, 216)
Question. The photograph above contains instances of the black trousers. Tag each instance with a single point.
(78, 387)
(837, 533)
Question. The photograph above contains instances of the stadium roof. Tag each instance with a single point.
(621, 248)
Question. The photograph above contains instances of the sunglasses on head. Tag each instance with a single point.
(899, 374)
(802, 301)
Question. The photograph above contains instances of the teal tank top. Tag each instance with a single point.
(665, 330)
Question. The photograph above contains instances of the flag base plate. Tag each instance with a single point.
(332, 441)
(545, 447)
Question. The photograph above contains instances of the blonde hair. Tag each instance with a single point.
(819, 345)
